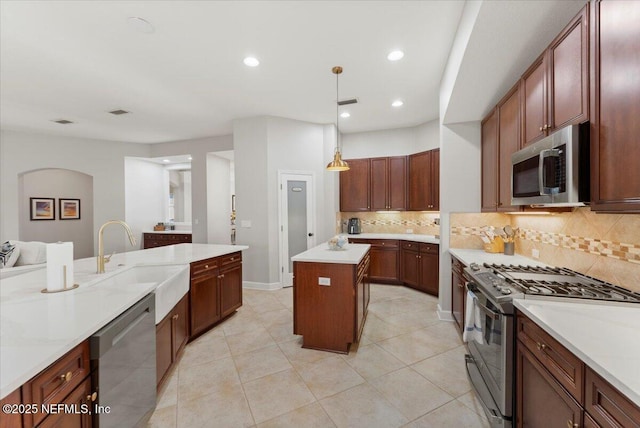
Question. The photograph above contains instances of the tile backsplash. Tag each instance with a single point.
(394, 222)
(605, 246)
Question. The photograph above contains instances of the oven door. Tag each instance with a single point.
(490, 360)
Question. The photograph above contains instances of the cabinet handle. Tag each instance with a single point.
(541, 129)
(176, 316)
(546, 127)
(460, 285)
(570, 424)
(206, 266)
(541, 346)
(92, 397)
(66, 377)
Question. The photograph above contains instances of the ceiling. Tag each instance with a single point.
(79, 60)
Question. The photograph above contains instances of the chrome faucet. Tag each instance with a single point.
(101, 258)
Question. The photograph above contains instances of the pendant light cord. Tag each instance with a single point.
(337, 113)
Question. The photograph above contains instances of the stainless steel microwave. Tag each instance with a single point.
(553, 171)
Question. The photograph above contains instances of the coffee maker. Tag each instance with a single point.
(354, 227)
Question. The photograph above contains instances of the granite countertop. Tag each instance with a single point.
(429, 239)
(603, 335)
(352, 254)
(36, 329)
(480, 256)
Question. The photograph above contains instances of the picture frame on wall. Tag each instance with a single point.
(69, 209)
(42, 209)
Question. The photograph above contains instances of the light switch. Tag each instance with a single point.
(324, 281)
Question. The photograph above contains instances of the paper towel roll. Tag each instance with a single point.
(59, 266)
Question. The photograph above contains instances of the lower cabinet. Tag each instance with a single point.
(216, 291)
(420, 266)
(172, 334)
(80, 397)
(458, 292)
(11, 419)
(385, 260)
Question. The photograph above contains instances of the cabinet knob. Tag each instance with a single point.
(233, 258)
(66, 377)
(206, 266)
(541, 129)
(570, 424)
(546, 127)
(92, 397)
(541, 346)
(176, 316)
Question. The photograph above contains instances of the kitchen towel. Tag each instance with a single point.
(59, 266)
(472, 321)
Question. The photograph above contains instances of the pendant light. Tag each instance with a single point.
(337, 164)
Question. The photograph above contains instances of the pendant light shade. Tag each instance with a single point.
(337, 164)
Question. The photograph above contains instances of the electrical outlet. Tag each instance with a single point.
(535, 253)
(324, 281)
(408, 231)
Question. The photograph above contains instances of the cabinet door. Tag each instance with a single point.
(540, 400)
(569, 74)
(385, 264)
(354, 186)
(164, 348)
(615, 176)
(458, 294)
(204, 301)
(230, 289)
(11, 420)
(180, 318)
(397, 183)
(79, 397)
(508, 143)
(410, 267)
(534, 102)
(435, 180)
(608, 406)
(379, 184)
(490, 162)
(419, 181)
(429, 269)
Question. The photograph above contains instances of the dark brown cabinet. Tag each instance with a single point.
(385, 260)
(606, 405)
(153, 240)
(354, 186)
(216, 291)
(489, 156)
(508, 143)
(420, 266)
(80, 397)
(555, 89)
(172, 334)
(389, 183)
(11, 419)
(424, 181)
(458, 292)
(615, 91)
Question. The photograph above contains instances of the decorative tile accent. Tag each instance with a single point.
(394, 222)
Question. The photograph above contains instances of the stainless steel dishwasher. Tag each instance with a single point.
(123, 362)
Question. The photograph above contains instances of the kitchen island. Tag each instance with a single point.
(330, 296)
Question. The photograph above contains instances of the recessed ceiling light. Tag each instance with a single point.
(251, 61)
(395, 55)
(141, 25)
(62, 121)
(166, 160)
(397, 103)
(345, 114)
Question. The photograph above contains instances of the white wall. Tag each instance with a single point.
(198, 149)
(104, 160)
(145, 202)
(218, 200)
(391, 142)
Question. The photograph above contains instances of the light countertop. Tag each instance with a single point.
(429, 239)
(36, 329)
(172, 232)
(605, 336)
(351, 255)
(480, 256)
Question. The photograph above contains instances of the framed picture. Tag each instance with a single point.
(43, 208)
(69, 209)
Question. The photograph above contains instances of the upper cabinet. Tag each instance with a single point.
(555, 89)
(389, 183)
(424, 181)
(615, 104)
(354, 186)
(490, 162)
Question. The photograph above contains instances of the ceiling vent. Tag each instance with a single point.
(119, 112)
(63, 121)
(347, 102)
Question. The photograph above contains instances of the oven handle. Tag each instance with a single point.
(494, 315)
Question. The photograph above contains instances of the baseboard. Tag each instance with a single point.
(444, 315)
(261, 285)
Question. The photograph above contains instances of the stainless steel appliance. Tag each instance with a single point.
(553, 171)
(354, 227)
(491, 361)
(123, 360)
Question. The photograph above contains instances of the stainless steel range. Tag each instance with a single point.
(490, 362)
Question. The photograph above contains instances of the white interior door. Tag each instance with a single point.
(297, 222)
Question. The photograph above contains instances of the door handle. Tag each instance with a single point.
(310, 234)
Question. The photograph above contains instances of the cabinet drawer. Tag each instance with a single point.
(154, 236)
(410, 245)
(607, 406)
(383, 243)
(230, 259)
(54, 383)
(429, 248)
(204, 267)
(562, 364)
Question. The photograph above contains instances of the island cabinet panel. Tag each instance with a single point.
(153, 240)
(11, 419)
(216, 291)
(607, 406)
(615, 91)
(354, 186)
(330, 303)
(172, 334)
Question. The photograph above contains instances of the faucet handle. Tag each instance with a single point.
(107, 259)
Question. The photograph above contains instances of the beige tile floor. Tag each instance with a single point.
(250, 371)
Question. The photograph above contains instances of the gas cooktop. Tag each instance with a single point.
(561, 282)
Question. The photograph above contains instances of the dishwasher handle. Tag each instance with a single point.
(107, 337)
